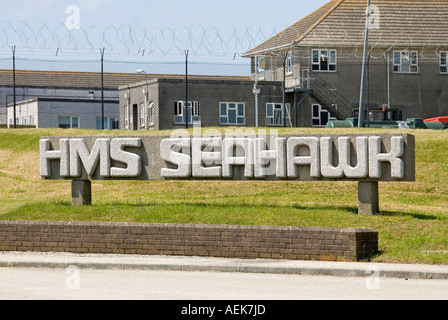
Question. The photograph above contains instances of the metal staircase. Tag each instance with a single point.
(329, 97)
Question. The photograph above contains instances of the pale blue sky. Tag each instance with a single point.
(174, 26)
(166, 13)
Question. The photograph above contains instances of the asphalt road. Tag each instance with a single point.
(82, 284)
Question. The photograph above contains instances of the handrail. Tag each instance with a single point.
(329, 97)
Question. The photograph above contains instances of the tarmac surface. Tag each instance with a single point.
(198, 264)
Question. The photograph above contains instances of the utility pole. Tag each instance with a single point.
(102, 88)
(186, 89)
(284, 89)
(14, 83)
(364, 67)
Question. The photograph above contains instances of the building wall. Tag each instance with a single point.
(26, 114)
(419, 95)
(27, 93)
(88, 112)
(136, 96)
(209, 93)
(47, 112)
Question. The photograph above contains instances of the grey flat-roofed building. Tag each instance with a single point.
(65, 113)
(61, 85)
(159, 104)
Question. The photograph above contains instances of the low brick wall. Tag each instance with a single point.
(292, 243)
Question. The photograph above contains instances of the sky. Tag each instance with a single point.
(35, 25)
(166, 13)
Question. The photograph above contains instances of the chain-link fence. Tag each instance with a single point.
(299, 87)
(136, 95)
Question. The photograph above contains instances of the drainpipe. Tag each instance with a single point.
(256, 91)
(145, 92)
(388, 77)
(128, 107)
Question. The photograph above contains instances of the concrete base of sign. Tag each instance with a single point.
(368, 198)
(81, 193)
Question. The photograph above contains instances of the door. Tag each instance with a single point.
(135, 117)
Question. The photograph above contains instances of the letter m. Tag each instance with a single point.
(80, 155)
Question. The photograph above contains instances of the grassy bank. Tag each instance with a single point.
(413, 224)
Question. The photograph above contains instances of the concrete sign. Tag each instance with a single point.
(381, 157)
(367, 159)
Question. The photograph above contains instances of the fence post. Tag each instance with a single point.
(186, 89)
(102, 88)
(14, 84)
(364, 66)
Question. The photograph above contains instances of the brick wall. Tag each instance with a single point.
(293, 243)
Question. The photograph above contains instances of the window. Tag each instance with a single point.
(126, 117)
(142, 115)
(261, 64)
(232, 113)
(178, 108)
(110, 123)
(405, 61)
(324, 60)
(288, 64)
(275, 115)
(31, 120)
(68, 122)
(320, 116)
(443, 62)
(193, 113)
(151, 114)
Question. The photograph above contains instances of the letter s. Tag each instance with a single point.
(132, 160)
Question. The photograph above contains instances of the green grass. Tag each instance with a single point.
(413, 224)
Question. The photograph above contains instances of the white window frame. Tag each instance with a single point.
(444, 62)
(151, 120)
(229, 106)
(126, 117)
(179, 108)
(142, 115)
(106, 122)
(195, 110)
(289, 64)
(261, 70)
(411, 56)
(271, 119)
(318, 118)
(71, 121)
(332, 62)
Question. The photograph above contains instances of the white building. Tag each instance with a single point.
(60, 85)
(64, 113)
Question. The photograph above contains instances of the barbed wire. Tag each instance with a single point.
(130, 40)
